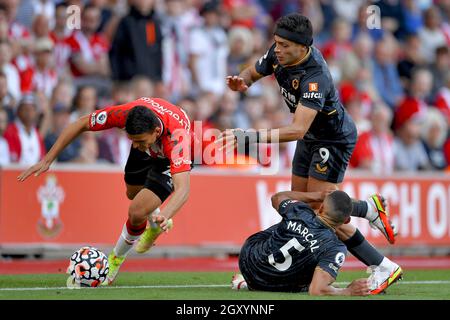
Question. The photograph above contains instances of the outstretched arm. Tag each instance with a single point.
(244, 80)
(67, 136)
(321, 286)
(306, 197)
(303, 118)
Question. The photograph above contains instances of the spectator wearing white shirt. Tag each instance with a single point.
(7, 101)
(374, 148)
(89, 49)
(26, 145)
(208, 52)
(434, 134)
(409, 152)
(45, 76)
(431, 35)
(59, 35)
(177, 23)
(18, 32)
(10, 70)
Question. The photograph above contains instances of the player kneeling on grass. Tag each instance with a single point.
(159, 165)
(302, 253)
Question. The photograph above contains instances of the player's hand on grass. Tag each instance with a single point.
(37, 169)
(359, 287)
(227, 140)
(236, 83)
(162, 221)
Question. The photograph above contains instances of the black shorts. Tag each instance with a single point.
(153, 174)
(322, 160)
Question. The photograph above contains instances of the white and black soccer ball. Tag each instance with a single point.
(88, 267)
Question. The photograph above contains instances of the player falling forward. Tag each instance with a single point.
(325, 133)
(302, 252)
(158, 165)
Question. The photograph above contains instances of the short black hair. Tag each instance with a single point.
(141, 119)
(295, 22)
(341, 206)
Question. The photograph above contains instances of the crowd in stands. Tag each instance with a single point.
(60, 60)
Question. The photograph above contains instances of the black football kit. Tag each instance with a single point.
(284, 256)
(325, 150)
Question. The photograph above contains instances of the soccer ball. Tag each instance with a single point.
(88, 268)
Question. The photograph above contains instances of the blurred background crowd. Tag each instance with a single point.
(59, 62)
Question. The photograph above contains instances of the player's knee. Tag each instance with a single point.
(136, 214)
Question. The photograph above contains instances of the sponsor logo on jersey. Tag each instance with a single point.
(312, 95)
(289, 97)
(320, 169)
(295, 84)
(101, 117)
(313, 87)
(93, 119)
(177, 163)
(185, 123)
(340, 258)
(333, 267)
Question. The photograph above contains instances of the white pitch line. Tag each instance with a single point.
(189, 286)
(122, 287)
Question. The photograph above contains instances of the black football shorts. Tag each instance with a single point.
(152, 173)
(325, 161)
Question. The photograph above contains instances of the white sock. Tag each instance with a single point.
(153, 225)
(372, 212)
(125, 242)
(388, 264)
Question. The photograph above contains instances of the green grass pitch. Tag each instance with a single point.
(416, 284)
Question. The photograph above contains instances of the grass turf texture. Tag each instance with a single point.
(169, 286)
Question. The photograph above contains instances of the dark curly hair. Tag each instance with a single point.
(141, 119)
(297, 23)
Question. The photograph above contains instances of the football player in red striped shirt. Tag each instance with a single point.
(159, 165)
